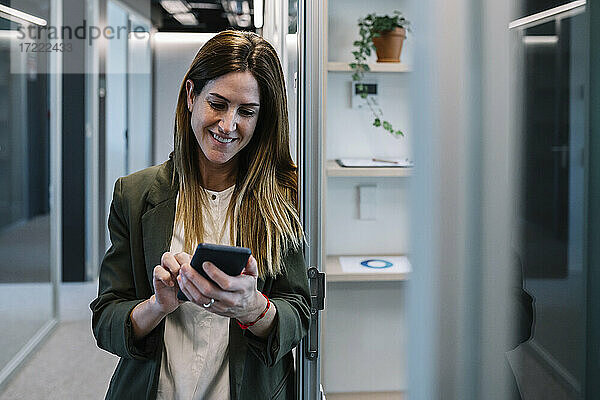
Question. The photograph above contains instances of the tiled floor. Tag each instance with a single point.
(24, 309)
(68, 365)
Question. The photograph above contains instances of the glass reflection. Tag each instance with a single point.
(551, 213)
(25, 288)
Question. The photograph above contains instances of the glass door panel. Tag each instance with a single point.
(116, 105)
(139, 95)
(26, 288)
(551, 213)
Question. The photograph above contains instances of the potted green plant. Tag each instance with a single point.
(379, 33)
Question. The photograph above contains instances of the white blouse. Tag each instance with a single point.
(195, 363)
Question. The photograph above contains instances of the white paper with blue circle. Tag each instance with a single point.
(375, 264)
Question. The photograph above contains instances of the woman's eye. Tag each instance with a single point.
(246, 113)
(217, 106)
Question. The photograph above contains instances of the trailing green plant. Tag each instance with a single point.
(369, 27)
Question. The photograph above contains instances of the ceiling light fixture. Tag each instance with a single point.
(186, 18)
(245, 7)
(174, 6)
(540, 39)
(258, 14)
(21, 16)
(243, 20)
(139, 35)
(538, 17)
(206, 6)
(231, 19)
(5, 34)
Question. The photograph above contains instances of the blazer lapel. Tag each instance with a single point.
(158, 220)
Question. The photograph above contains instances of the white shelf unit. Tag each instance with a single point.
(342, 66)
(335, 170)
(335, 274)
(364, 311)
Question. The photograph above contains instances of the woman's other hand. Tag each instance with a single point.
(235, 296)
(148, 314)
(165, 280)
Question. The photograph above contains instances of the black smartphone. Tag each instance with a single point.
(229, 259)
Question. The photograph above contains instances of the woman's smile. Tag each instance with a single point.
(222, 139)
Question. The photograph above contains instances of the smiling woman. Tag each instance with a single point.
(230, 180)
(246, 68)
(224, 116)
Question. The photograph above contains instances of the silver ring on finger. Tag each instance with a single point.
(208, 304)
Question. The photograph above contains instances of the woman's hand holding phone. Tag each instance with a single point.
(235, 296)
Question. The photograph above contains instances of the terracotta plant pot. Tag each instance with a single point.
(389, 45)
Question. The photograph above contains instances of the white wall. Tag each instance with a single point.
(173, 54)
(365, 337)
(364, 328)
(349, 131)
(386, 234)
(342, 35)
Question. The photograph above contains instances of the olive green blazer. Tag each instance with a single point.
(141, 225)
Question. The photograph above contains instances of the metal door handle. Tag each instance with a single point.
(316, 284)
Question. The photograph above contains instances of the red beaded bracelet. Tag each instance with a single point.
(259, 317)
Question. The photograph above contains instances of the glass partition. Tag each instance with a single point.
(128, 99)
(26, 242)
(552, 55)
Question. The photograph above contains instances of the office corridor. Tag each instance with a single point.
(445, 197)
(68, 365)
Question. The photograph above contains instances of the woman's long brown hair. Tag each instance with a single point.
(263, 211)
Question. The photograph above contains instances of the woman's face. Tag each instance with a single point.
(224, 115)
